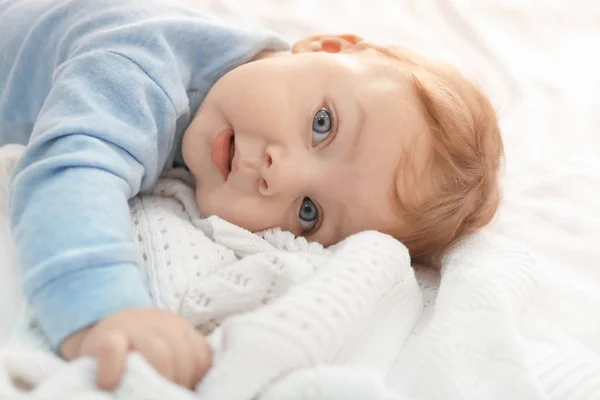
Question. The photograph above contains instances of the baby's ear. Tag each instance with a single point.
(326, 43)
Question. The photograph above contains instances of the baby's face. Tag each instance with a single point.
(307, 142)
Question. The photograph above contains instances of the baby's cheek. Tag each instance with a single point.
(213, 201)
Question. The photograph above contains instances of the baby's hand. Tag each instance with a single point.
(167, 341)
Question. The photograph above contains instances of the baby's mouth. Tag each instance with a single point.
(231, 151)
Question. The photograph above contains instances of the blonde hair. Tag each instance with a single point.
(458, 192)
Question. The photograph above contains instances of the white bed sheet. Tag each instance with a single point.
(538, 61)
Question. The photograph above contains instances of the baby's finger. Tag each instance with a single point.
(183, 361)
(201, 355)
(110, 354)
(158, 353)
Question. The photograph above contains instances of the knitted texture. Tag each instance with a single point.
(286, 303)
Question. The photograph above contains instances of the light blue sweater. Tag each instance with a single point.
(101, 92)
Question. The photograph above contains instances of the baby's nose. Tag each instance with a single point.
(282, 172)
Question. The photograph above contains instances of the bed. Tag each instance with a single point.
(537, 60)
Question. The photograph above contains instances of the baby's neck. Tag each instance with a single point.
(270, 54)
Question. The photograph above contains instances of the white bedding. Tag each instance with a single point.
(538, 62)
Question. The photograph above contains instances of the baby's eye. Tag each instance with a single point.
(308, 215)
(321, 126)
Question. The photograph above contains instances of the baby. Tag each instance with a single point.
(329, 138)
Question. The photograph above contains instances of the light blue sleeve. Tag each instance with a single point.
(94, 140)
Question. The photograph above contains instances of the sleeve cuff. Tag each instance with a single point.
(83, 297)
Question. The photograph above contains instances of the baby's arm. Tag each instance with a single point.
(103, 134)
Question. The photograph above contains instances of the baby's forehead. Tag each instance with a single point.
(393, 99)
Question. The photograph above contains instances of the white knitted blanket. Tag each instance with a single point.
(291, 320)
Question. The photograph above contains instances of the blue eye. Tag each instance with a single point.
(321, 126)
(308, 215)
